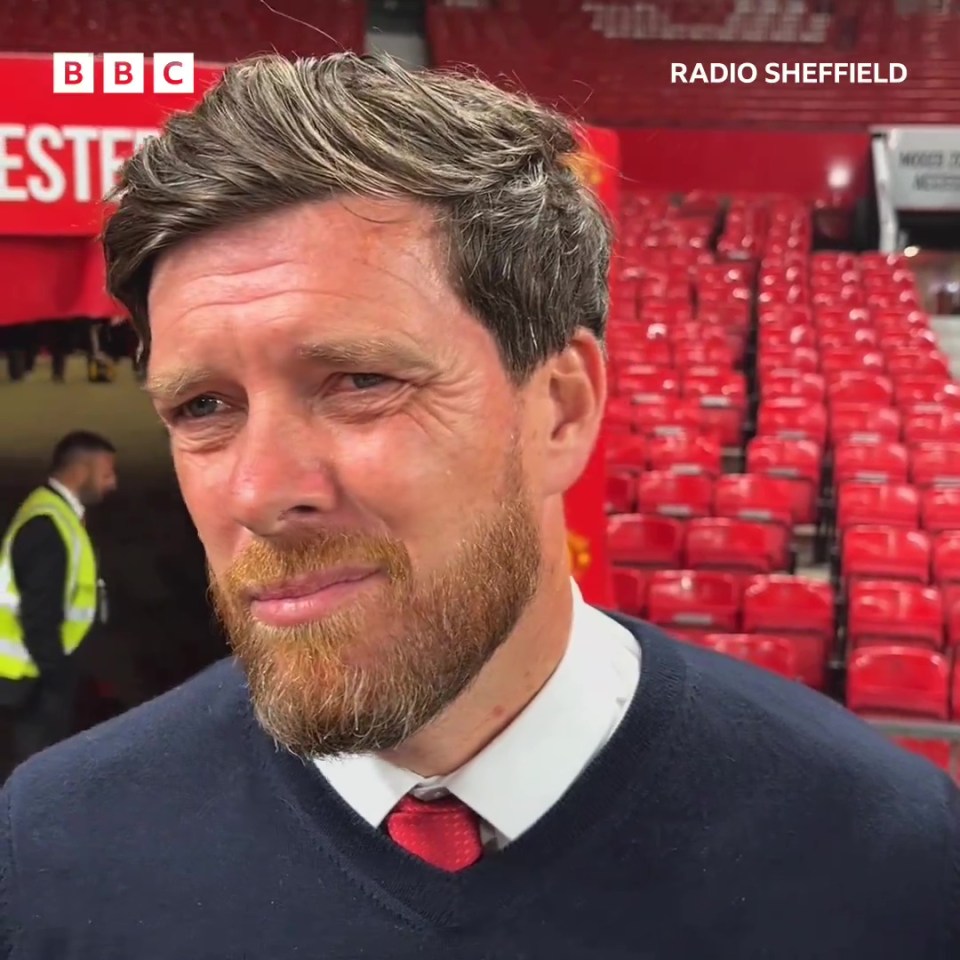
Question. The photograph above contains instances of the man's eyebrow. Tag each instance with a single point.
(356, 354)
(168, 387)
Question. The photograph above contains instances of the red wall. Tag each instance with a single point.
(747, 161)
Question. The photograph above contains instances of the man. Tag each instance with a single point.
(374, 302)
(50, 593)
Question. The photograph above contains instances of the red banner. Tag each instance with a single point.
(599, 165)
(59, 155)
(60, 152)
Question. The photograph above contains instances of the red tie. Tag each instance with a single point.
(445, 832)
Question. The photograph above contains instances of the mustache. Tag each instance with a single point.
(264, 562)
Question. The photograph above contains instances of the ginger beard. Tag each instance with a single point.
(369, 675)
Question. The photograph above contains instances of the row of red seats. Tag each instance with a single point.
(934, 509)
(744, 547)
(909, 392)
(682, 495)
(713, 405)
(753, 229)
(687, 344)
(798, 418)
(692, 604)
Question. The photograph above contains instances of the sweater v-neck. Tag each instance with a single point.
(610, 789)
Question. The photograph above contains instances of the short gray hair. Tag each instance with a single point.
(528, 243)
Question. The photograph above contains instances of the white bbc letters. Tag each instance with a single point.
(123, 73)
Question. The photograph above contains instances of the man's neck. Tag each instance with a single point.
(512, 678)
(68, 494)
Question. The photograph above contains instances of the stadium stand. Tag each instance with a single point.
(575, 52)
(843, 424)
(218, 31)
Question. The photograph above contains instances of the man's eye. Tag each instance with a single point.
(367, 381)
(198, 408)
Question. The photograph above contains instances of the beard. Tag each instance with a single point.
(367, 676)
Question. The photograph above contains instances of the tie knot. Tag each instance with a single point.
(444, 832)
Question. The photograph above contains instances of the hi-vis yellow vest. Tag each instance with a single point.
(80, 595)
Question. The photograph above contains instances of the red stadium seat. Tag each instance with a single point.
(693, 603)
(870, 463)
(723, 403)
(950, 593)
(664, 416)
(917, 362)
(620, 492)
(908, 338)
(792, 418)
(618, 416)
(753, 496)
(899, 680)
(781, 382)
(887, 504)
(914, 390)
(626, 452)
(893, 321)
(797, 607)
(889, 553)
(934, 464)
(738, 546)
(800, 359)
(628, 349)
(630, 590)
(675, 495)
(861, 388)
(852, 359)
(847, 338)
(940, 509)
(668, 312)
(891, 611)
(862, 423)
(946, 558)
(713, 353)
(840, 318)
(776, 654)
(938, 426)
(638, 540)
(646, 387)
(686, 452)
(778, 335)
(796, 461)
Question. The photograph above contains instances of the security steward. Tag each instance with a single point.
(50, 593)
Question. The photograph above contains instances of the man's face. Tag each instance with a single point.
(357, 464)
(100, 478)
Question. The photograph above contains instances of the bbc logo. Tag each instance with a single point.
(123, 73)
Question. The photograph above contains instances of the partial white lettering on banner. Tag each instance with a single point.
(45, 163)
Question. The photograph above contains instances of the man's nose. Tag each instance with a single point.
(281, 480)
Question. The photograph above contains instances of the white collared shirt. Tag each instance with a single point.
(521, 774)
(69, 496)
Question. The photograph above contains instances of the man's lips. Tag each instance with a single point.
(308, 584)
(307, 599)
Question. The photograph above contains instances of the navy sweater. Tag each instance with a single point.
(732, 815)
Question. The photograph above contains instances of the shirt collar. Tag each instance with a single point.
(68, 495)
(521, 774)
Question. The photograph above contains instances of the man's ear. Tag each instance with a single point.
(577, 387)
